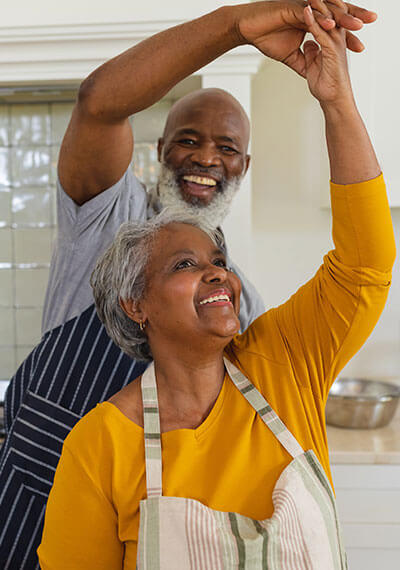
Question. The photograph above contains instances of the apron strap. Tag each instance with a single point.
(152, 433)
(264, 410)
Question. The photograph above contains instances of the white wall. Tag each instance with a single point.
(291, 230)
(48, 12)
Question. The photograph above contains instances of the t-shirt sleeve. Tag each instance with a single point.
(81, 524)
(327, 320)
(83, 234)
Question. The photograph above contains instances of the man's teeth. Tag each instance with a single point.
(216, 298)
(204, 181)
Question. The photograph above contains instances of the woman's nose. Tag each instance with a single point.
(214, 274)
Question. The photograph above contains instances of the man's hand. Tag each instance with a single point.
(278, 28)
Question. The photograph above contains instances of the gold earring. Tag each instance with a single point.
(142, 325)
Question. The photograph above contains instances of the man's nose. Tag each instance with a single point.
(205, 155)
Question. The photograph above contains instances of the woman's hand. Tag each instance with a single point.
(325, 64)
(277, 28)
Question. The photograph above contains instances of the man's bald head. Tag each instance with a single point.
(203, 153)
(211, 101)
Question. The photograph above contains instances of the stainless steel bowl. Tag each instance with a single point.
(361, 404)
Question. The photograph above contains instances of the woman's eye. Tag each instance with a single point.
(221, 263)
(184, 264)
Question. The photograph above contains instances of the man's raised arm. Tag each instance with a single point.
(98, 145)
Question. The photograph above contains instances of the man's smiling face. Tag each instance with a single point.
(204, 144)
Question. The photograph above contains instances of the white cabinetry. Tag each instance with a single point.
(368, 499)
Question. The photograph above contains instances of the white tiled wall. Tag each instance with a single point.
(30, 137)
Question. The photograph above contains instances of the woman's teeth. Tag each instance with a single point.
(216, 298)
(202, 180)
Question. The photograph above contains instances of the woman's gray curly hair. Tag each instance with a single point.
(119, 274)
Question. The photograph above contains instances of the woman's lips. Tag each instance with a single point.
(218, 298)
(218, 304)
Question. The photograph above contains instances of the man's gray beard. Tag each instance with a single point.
(213, 214)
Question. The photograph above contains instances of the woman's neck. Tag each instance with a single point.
(188, 387)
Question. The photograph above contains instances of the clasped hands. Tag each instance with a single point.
(277, 28)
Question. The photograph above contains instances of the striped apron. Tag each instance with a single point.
(179, 533)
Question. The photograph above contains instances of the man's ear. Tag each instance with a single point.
(160, 146)
(133, 310)
(247, 163)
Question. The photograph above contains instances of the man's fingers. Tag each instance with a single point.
(321, 7)
(362, 14)
(324, 22)
(353, 43)
(346, 21)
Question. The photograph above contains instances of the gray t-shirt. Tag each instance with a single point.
(84, 233)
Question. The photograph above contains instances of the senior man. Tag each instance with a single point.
(203, 155)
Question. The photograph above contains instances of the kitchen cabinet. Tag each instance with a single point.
(366, 475)
(368, 499)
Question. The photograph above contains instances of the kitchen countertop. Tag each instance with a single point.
(366, 446)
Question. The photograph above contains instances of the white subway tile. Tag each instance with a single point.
(7, 362)
(30, 286)
(28, 326)
(6, 287)
(30, 166)
(7, 328)
(5, 206)
(6, 249)
(30, 124)
(4, 167)
(4, 126)
(33, 245)
(60, 116)
(32, 205)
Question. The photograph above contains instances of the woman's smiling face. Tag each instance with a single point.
(190, 294)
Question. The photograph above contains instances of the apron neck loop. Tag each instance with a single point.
(264, 410)
(152, 433)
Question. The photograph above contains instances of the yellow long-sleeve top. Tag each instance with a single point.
(231, 462)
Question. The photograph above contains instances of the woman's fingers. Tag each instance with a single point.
(311, 50)
(353, 43)
(347, 16)
(320, 35)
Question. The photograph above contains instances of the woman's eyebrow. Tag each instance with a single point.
(180, 252)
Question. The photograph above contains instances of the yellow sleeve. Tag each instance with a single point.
(81, 525)
(327, 320)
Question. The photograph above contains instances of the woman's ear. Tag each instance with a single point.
(133, 310)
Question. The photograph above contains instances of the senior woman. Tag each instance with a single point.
(217, 457)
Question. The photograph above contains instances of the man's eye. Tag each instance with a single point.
(226, 148)
(187, 141)
(184, 264)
